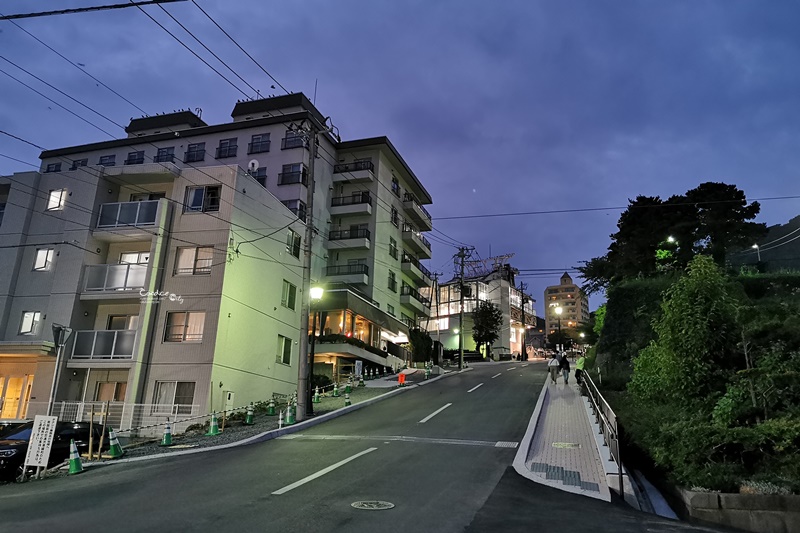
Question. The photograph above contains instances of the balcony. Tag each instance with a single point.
(289, 178)
(349, 238)
(288, 143)
(141, 173)
(357, 172)
(417, 213)
(414, 269)
(226, 151)
(194, 156)
(258, 147)
(416, 242)
(164, 158)
(356, 274)
(356, 204)
(119, 220)
(103, 282)
(104, 345)
(134, 160)
(412, 299)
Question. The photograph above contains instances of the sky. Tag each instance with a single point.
(500, 108)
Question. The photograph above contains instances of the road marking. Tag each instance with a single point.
(526, 364)
(419, 440)
(322, 472)
(475, 387)
(500, 374)
(512, 368)
(434, 413)
(505, 444)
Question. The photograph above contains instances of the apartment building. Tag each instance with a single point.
(497, 287)
(573, 302)
(174, 258)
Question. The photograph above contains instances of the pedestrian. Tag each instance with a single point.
(552, 366)
(565, 369)
(579, 364)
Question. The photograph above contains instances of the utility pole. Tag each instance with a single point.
(523, 354)
(463, 253)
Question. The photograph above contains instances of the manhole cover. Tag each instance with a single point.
(372, 505)
(566, 445)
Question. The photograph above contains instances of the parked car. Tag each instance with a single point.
(14, 441)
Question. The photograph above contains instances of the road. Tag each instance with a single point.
(439, 453)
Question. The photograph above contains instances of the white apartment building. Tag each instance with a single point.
(175, 258)
(497, 287)
(573, 302)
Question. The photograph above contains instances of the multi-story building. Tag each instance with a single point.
(497, 287)
(573, 302)
(175, 259)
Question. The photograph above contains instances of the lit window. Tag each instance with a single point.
(194, 261)
(30, 322)
(184, 327)
(289, 295)
(56, 199)
(44, 259)
(293, 243)
(284, 350)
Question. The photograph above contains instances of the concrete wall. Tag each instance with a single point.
(759, 513)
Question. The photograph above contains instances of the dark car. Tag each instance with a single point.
(14, 441)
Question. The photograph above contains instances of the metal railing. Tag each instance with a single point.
(293, 142)
(414, 261)
(607, 421)
(344, 270)
(339, 235)
(353, 167)
(194, 156)
(104, 344)
(127, 214)
(288, 178)
(363, 198)
(99, 278)
(410, 229)
(258, 147)
(145, 419)
(408, 197)
(226, 151)
(407, 290)
(164, 158)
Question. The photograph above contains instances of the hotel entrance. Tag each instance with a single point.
(15, 393)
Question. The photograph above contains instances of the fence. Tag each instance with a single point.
(607, 421)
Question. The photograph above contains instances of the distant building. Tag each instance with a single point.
(571, 299)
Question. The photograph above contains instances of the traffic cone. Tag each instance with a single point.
(427, 372)
(290, 418)
(348, 388)
(347, 400)
(271, 407)
(280, 419)
(114, 450)
(335, 390)
(316, 395)
(166, 440)
(248, 420)
(75, 465)
(361, 381)
(214, 427)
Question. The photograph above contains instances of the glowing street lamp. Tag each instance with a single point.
(559, 310)
(758, 251)
(316, 296)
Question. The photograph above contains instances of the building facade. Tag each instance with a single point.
(173, 260)
(573, 302)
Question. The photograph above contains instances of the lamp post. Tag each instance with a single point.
(758, 251)
(60, 334)
(583, 346)
(559, 310)
(316, 296)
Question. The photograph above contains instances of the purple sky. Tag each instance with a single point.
(499, 107)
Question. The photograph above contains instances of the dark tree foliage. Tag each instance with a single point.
(487, 319)
(421, 345)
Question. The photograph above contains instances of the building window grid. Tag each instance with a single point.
(202, 199)
(258, 144)
(289, 295)
(135, 158)
(53, 167)
(194, 260)
(293, 243)
(227, 148)
(194, 153)
(78, 163)
(107, 161)
(43, 260)
(56, 199)
(184, 326)
(165, 155)
(30, 322)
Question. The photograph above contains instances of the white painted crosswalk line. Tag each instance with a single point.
(475, 387)
(322, 472)
(512, 368)
(496, 375)
(434, 413)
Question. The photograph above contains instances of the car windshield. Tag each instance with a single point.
(17, 432)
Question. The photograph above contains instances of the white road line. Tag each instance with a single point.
(496, 375)
(322, 472)
(475, 387)
(526, 364)
(512, 368)
(435, 413)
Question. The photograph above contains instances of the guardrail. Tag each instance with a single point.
(607, 421)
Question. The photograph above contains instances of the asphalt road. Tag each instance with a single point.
(439, 453)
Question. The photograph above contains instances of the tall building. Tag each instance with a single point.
(497, 287)
(174, 259)
(573, 302)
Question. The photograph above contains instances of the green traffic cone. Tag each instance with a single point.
(166, 440)
(348, 386)
(347, 400)
(290, 416)
(335, 390)
(115, 450)
(214, 427)
(248, 420)
(271, 407)
(361, 381)
(75, 465)
(316, 395)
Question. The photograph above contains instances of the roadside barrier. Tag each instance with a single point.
(347, 400)
(290, 420)
(271, 407)
(335, 390)
(214, 427)
(280, 419)
(115, 450)
(75, 465)
(166, 440)
(248, 420)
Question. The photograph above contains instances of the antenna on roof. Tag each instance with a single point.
(198, 111)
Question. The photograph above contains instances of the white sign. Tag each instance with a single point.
(44, 429)
(359, 367)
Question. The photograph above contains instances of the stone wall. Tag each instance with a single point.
(759, 513)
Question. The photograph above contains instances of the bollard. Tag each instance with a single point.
(290, 419)
(316, 395)
(280, 419)
(348, 387)
(271, 407)
(347, 400)
(361, 381)
(335, 390)
(166, 440)
(248, 420)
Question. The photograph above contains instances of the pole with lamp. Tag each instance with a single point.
(60, 335)
(758, 251)
(316, 296)
(559, 310)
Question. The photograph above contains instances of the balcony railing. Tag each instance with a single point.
(127, 214)
(101, 278)
(352, 167)
(345, 270)
(414, 261)
(258, 147)
(226, 151)
(164, 158)
(363, 198)
(293, 142)
(288, 178)
(134, 161)
(194, 156)
(407, 228)
(407, 290)
(348, 234)
(408, 197)
(100, 344)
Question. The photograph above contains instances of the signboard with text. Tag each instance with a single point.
(44, 429)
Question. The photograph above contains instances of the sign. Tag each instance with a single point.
(359, 367)
(44, 429)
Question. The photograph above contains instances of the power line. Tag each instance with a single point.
(85, 9)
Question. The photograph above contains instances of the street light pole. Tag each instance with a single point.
(316, 296)
(758, 251)
(559, 310)
(60, 334)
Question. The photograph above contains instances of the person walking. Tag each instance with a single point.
(565, 369)
(579, 364)
(553, 366)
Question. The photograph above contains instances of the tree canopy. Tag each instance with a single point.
(487, 319)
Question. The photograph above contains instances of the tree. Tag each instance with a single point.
(487, 319)
(421, 345)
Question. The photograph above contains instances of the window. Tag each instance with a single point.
(390, 309)
(293, 173)
(184, 327)
(393, 248)
(227, 148)
(110, 391)
(194, 261)
(56, 199)
(407, 320)
(108, 160)
(396, 187)
(284, 350)
(123, 322)
(147, 196)
(395, 217)
(174, 397)
(260, 176)
(392, 282)
(135, 158)
(53, 167)
(44, 259)
(258, 144)
(4, 190)
(78, 163)
(165, 155)
(289, 295)
(294, 139)
(293, 243)
(297, 207)
(203, 199)
(195, 152)
(30, 322)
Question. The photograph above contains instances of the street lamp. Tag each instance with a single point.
(559, 310)
(316, 296)
(671, 239)
(60, 335)
(758, 251)
(583, 346)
